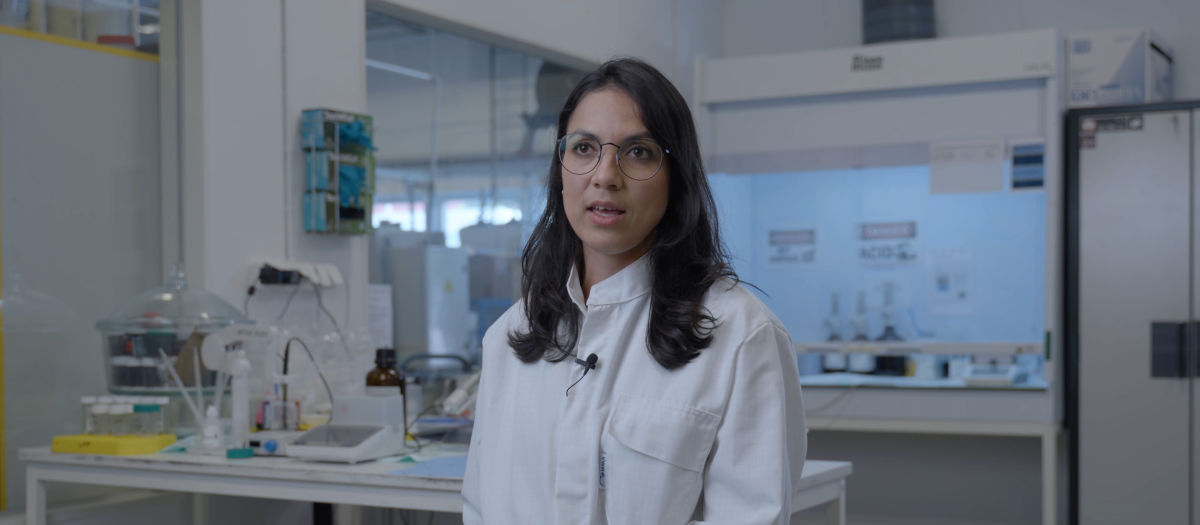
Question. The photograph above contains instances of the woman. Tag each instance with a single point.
(692, 409)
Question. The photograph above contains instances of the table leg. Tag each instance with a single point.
(35, 498)
(199, 509)
(1050, 477)
(837, 508)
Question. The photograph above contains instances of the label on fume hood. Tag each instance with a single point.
(888, 243)
(966, 167)
(1028, 164)
(792, 247)
(950, 287)
(1093, 125)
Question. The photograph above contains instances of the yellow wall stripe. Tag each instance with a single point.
(78, 43)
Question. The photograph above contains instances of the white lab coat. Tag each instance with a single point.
(719, 440)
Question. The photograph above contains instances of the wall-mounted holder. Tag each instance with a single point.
(339, 171)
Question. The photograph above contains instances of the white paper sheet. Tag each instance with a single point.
(966, 167)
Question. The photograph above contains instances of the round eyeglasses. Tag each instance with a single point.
(639, 159)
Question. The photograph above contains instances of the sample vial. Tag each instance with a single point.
(102, 418)
(121, 419)
(144, 415)
(89, 426)
(160, 417)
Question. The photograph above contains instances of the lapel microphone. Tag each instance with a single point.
(587, 365)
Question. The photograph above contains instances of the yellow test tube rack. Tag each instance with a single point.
(111, 445)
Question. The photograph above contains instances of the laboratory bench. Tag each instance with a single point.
(847, 402)
(378, 483)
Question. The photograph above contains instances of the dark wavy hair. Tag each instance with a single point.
(687, 256)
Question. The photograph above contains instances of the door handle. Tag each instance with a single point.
(1169, 348)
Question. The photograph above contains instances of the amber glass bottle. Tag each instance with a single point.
(384, 379)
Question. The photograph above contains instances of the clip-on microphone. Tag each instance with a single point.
(587, 365)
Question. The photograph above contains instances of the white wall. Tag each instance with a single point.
(234, 174)
(761, 27)
(249, 71)
(755, 27)
(1174, 20)
(325, 49)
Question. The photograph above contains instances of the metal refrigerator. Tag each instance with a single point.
(1132, 307)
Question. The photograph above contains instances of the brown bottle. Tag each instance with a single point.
(384, 379)
(385, 375)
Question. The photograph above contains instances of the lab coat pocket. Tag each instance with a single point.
(655, 453)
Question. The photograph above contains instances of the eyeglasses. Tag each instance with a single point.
(639, 159)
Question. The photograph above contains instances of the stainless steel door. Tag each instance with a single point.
(1194, 362)
(1134, 271)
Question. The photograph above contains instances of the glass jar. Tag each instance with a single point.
(171, 320)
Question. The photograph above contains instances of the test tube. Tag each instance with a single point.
(102, 418)
(89, 426)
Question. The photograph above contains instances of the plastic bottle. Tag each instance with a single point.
(102, 420)
(211, 433)
(89, 426)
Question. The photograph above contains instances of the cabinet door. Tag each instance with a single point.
(1134, 303)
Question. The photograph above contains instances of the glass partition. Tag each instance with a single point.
(465, 134)
(80, 205)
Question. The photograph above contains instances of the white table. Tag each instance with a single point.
(370, 484)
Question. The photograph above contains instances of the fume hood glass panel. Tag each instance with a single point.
(960, 277)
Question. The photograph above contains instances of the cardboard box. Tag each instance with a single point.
(339, 171)
(1116, 67)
